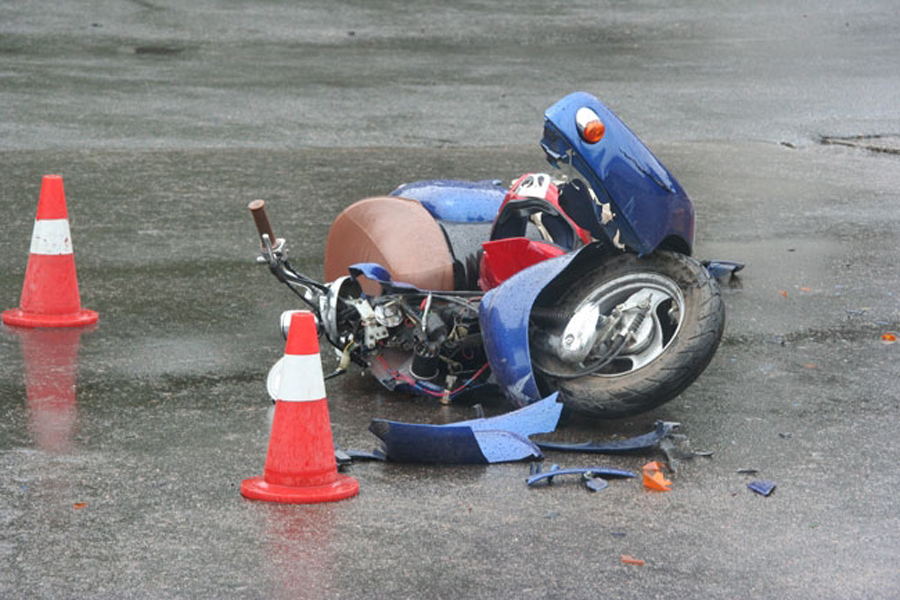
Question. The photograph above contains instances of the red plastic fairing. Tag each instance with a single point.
(504, 258)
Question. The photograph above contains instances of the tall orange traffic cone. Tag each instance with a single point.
(50, 294)
(300, 465)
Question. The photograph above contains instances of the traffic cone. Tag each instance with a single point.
(50, 293)
(300, 464)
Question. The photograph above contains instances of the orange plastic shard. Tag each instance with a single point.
(889, 337)
(654, 478)
(630, 560)
(79, 505)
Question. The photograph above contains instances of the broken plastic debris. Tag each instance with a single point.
(453, 445)
(497, 439)
(79, 505)
(761, 487)
(677, 448)
(346, 457)
(538, 417)
(722, 268)
(889, 338)
(628, 559)
(538, 474)
(654, 479)
(646, 441)
(594, 483)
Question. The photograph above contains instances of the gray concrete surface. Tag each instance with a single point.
(165, 120)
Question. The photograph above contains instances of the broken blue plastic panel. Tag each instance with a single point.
(762, 487)
(479, 441)
(540, 417)
(645, 441)
(378, 274)
(408, 442)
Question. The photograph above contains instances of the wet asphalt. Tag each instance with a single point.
(123, 447)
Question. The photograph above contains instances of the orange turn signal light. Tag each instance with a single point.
(590, 127)
(593, 132)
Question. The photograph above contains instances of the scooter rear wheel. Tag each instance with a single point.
(665, 354)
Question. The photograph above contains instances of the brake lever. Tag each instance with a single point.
(272, 255)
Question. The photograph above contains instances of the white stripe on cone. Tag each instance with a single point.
(301, 379)
(51, 237)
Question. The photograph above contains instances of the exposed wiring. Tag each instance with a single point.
(406, 379)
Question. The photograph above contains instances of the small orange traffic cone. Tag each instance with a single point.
(300, 464)
(50, 294)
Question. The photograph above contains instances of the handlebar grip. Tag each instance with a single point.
(258, 210)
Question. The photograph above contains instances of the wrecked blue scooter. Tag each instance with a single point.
(579, 282)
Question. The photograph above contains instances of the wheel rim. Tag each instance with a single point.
(656, 332)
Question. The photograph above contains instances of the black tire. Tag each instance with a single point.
(691, 337)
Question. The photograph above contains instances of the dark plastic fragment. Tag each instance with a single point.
(762, 487)
(594, 471)
(363, 455)
(677, 448)
(594, 483)
(722, 268)
(341, 457)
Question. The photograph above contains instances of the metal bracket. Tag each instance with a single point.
(271, 254)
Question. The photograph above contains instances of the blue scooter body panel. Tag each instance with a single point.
(455, 200)
(504, 315)
(648, 203)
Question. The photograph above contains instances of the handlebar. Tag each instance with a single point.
(274, 254)
(258, 209)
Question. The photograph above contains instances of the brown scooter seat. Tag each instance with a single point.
(397, 233)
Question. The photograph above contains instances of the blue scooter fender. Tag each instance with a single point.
(504, 313)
